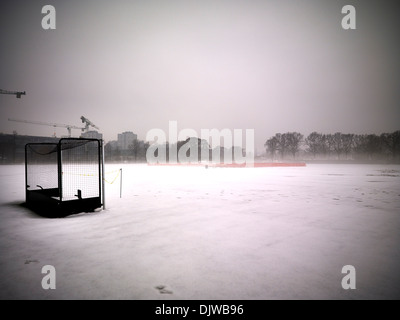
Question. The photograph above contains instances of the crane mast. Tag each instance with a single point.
(88, 123)
(69, 127)
(18, 94)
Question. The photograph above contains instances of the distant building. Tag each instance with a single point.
(92, 135)
(126, 139)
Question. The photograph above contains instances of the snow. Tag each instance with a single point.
(216, 233)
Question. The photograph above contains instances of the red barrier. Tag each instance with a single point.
(234, 165)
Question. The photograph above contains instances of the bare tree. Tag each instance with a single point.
(134, 147)
(360, 145)
(313, 142)
(325, 145)
(373, 145)
(392, 142)
(368, 145)
(272, 145)
(347, 143)
(342, 145)
(283, 143)
(143, 149)
(294, 140)
(289, 141)
(329, 143)
(337, 144)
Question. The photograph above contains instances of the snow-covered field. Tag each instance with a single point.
(216, 233)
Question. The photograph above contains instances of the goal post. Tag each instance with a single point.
(103, 175)
(64, 177)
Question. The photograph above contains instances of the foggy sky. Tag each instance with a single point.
(271, 66)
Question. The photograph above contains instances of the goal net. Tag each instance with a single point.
(67, 174)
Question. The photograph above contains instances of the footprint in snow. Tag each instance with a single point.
(163, 290)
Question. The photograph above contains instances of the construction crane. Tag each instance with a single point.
(69, 127)
(17, 93)
(88, 123)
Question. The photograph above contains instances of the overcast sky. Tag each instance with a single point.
(271, 66)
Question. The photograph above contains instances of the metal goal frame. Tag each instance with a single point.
(65, 177)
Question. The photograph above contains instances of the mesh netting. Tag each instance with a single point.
(42, 171)
(76, 177)
(80, 164)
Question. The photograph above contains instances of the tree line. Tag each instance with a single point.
(136, 152)
(285, 146)
(194, 150)
(191, 150)
(339, 146)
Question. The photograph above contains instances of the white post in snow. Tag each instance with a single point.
(102, 175)
(120, 183)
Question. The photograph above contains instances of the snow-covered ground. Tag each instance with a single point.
(216, 233)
